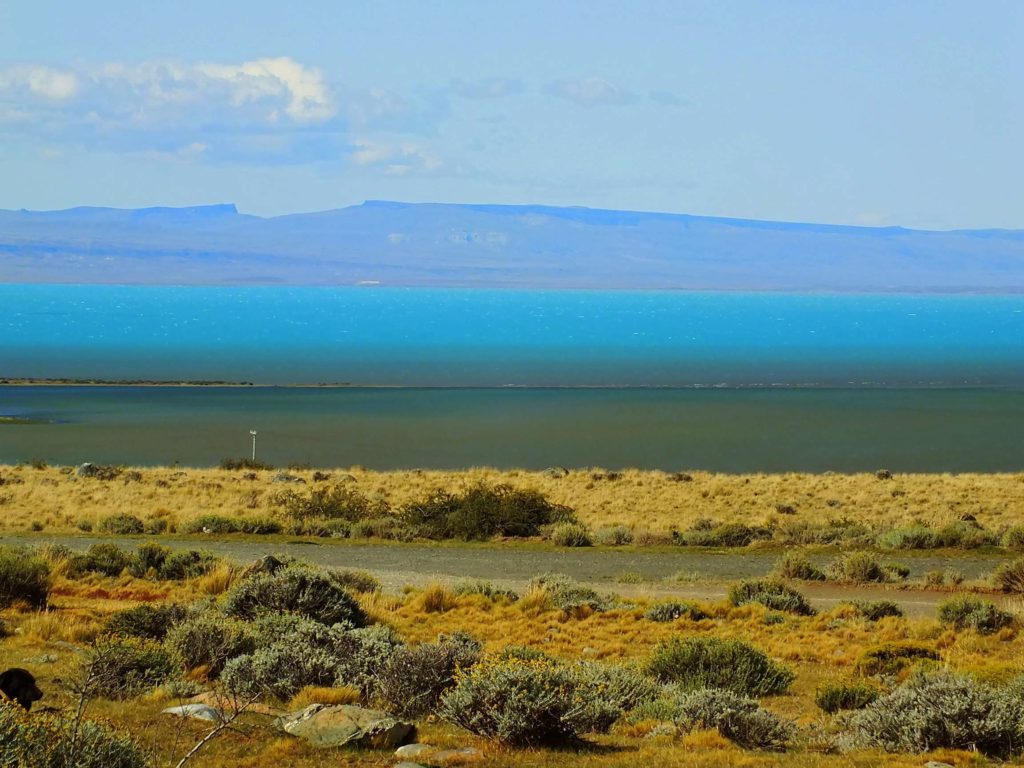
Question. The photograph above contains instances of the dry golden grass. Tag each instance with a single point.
(312, 694)
(646, 501)
(820, 649)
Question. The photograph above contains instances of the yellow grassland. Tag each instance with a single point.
(641, 500)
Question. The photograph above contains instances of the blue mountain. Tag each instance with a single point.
(407, 244)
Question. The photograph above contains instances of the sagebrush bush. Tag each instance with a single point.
(356, 581)
(1009, 577)
(338, 502)
(529, 701)
(122, 667)
(570, 535)
(483, 512)
(893, 657)
(207, 641)
(486, 589)
(24, 577)
(857, 568)
(613, 536)
(218, 524)
(670, 611)
(122, 525)
(1013, 537)
(965, 534)
(146, 621)
(939, 709)
(914, 537)
(299, 589)
(724, 535)
(187, 564)
(414, 678)
(844, 696)
(873, 610)
(973, 613)
(105, 559)
(149, 557)
(566, 594)
(738, 719)
(772, 594)
(710, 662)
(797, 566)
(259, 526)
(52, 741)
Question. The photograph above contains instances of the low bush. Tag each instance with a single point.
(122, 525)
(973, 613)
(414, 678)
(207, 641)
(338, 502)
(104, 559)
(355, 581)
(483, 512)
(566, 594)
(796, 566)
(1013, 537)
(941, 710)
(217, 524)
(670, 611)
(844, 696)
(914, 537)
(149, 558)
(522, 702)
(259, 526)
(873, 610)
(187, 564)
(725, 535)
(805, 532)
(857, 568)
(710, 662)
(613, 536)
(1009, 577)
(570, 535)
(122, 667)
(151, 622)
(894, 657)
(486, 589)
(24, 578)
(237, 464)
(54, 741)
(965, 535)
(736, 718)
(303, 590)
(772, 594)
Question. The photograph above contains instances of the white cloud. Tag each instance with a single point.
(398, 158)
(40, 81)
(305, 95)
(590, 91)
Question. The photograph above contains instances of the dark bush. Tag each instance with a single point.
(844, 696)
(148, 557)
(259, 526)
(972, 613)
(236, 464)
(414, 678)
(772, 594)
(796, 566)
(873, 610)
(207, 641)
(892, 658)
(151, 622)
(105, 559)
(338, 502)
(23, 578)
(725, 535)
(122, 667)
(483, 512)
(122, 525)
(299, 589)
(218, 524)
(709, 662)
(670, 611)
(187, 564)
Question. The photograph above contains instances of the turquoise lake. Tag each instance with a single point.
(518, 378)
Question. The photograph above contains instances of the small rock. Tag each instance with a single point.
(196, 711)
(340, 724)
(284, 477)
(413, 751)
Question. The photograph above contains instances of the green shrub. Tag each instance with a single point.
(299, 589)
(939, 709)
(85, 526)
(105, 559)
(338, 502)
(772, 594)
(796, 566)
(486, 589)
(709, 662)
(805, 532)
(539, 701)
(355, 581)
(52, 741)
(670, 611)
(217, 524)
(207, 641)
(970, 612)
(187, 564)
(857, 568)
(156, 526)
(146, 621)
(23, 578)
(122, 525)
(414, 678)
(844, 696)
(895, 571)
(892, 658)
(259, 526)
(566, 594)
(1013, 537)
(873, 610)
(613, 536)
(570, 535)
(965, 535)
(725, 535)
(483, 512)
(914, 537)
(1009, 577)
(736, 718)
(148, 557)
(123, 667)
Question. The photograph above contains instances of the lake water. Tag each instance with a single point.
(519, 378)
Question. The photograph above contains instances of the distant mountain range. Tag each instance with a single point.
(530, 246)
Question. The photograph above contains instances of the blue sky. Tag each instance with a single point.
(865, 112)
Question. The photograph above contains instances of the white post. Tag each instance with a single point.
(253, 433)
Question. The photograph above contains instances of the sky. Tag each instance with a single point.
(860, 112)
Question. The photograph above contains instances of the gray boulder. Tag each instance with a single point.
(197, 711)
(336, 725)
